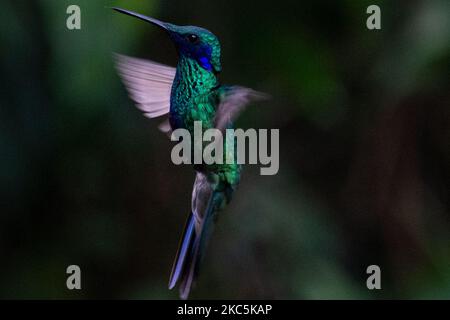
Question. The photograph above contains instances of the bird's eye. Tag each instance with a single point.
(192, 38)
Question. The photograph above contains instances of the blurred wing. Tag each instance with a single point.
(233, 101)
(165, 127)
(148, 84)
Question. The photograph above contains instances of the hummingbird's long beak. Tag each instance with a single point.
(156, 22)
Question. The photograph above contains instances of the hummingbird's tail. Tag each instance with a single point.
(184, 250)
(193, 244)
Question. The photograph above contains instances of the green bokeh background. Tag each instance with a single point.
(364, 173)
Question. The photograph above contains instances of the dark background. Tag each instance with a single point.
(364, 173)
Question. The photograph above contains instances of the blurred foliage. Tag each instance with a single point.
(364, 166)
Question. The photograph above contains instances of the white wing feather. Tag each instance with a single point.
(233, 102)
(148, 83)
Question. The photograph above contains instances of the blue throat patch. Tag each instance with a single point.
(203, 56)
(204, 62)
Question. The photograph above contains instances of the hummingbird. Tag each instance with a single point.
(185, 94)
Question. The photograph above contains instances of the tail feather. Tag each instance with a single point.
(186, 266)
(190, 272)
(184, 249)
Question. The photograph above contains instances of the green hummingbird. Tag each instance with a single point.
(188, 93)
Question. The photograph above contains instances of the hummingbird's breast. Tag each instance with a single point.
(192, 96)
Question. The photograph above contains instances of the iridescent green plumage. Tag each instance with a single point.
(188, 94)
(193, 97)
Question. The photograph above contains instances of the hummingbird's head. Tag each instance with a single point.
(192, 42)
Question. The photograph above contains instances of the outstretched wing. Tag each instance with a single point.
(148, 83)
(232, 102)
